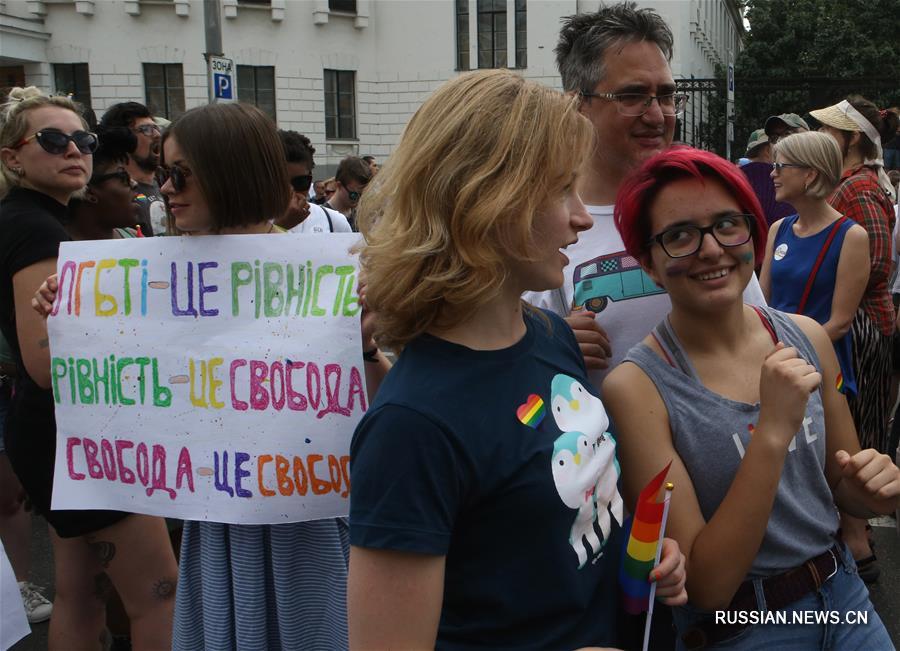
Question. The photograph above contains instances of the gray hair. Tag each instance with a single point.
(584, 38)
(819, 152)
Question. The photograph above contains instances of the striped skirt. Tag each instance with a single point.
(262, 587)
(872, 404)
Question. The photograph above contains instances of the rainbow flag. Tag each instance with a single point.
(643, 540)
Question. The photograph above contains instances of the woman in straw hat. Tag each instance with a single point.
(865, 195)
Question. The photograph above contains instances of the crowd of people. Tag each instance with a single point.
(571, 303)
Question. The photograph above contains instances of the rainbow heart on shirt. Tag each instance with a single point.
(839, 383)
(532, 412)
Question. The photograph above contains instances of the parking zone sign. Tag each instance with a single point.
(221, 76)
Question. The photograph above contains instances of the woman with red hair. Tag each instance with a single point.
(743, 402)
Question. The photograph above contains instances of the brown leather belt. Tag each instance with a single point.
(780, 591)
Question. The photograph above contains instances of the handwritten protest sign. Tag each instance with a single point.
(215, 378)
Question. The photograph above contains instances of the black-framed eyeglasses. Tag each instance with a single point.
(686, 239)
(177, 174)
(120, 174)
(301, 183)
(636, 104)
(54, 141)
(148, 129)
(780, 166)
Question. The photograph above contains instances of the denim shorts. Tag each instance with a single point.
(843, 601)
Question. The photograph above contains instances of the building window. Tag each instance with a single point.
(462, 35)
(340, 104)
(164, 89)
(491, 33)
(258, 3)
(73, 79)
(342, 6)
(521, 35)
(256, 85)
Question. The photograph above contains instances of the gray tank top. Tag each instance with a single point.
(711, 433)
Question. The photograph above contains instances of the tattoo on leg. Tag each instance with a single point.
(104, 551)
(102, 587)
(164, 589)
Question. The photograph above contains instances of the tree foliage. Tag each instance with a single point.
(801, 55)
(843, 39)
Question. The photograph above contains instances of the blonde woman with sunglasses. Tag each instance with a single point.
(46, 158)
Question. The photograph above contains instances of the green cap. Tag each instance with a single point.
(757, 138)
(792, 120)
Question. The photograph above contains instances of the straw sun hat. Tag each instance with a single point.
(835, 117)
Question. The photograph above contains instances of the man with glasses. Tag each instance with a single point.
(779, 126)
(301, 215)
(351, 178)
(617, 61)
(142, 161)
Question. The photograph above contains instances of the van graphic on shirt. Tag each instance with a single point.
(584, 467)
(615, 276)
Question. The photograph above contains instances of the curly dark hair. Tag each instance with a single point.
(124, 114)
(297, 148)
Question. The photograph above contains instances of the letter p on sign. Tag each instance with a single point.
(223, 86)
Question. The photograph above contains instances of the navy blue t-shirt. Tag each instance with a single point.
(502, 461)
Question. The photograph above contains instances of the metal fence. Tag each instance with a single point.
(703, 123)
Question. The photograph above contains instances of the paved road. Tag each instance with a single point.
(885, 594)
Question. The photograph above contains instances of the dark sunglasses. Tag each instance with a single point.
(148, 130)
(54, 141)
(174, 172)
(301, 183)
(120, 174)
(354, 195)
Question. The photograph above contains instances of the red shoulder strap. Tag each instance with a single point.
(766, 323)
(815, 270)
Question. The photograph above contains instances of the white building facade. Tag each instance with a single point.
(347, 73)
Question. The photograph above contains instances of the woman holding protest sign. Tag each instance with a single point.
(744, 402)
(46, 159)
(247, 586)
(474, 520)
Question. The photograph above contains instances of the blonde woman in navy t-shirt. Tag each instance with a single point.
(485, 510)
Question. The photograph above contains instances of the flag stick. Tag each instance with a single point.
(662, 532)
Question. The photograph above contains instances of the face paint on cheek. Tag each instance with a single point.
(746, 258)
(677, 267)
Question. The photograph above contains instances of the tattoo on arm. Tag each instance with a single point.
(164, 589)
(43, 343)
(104, 551)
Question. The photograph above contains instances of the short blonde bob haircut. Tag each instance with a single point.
(14, 124)
(820, 152)
(455, 202)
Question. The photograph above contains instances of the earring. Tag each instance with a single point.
(18, 171)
